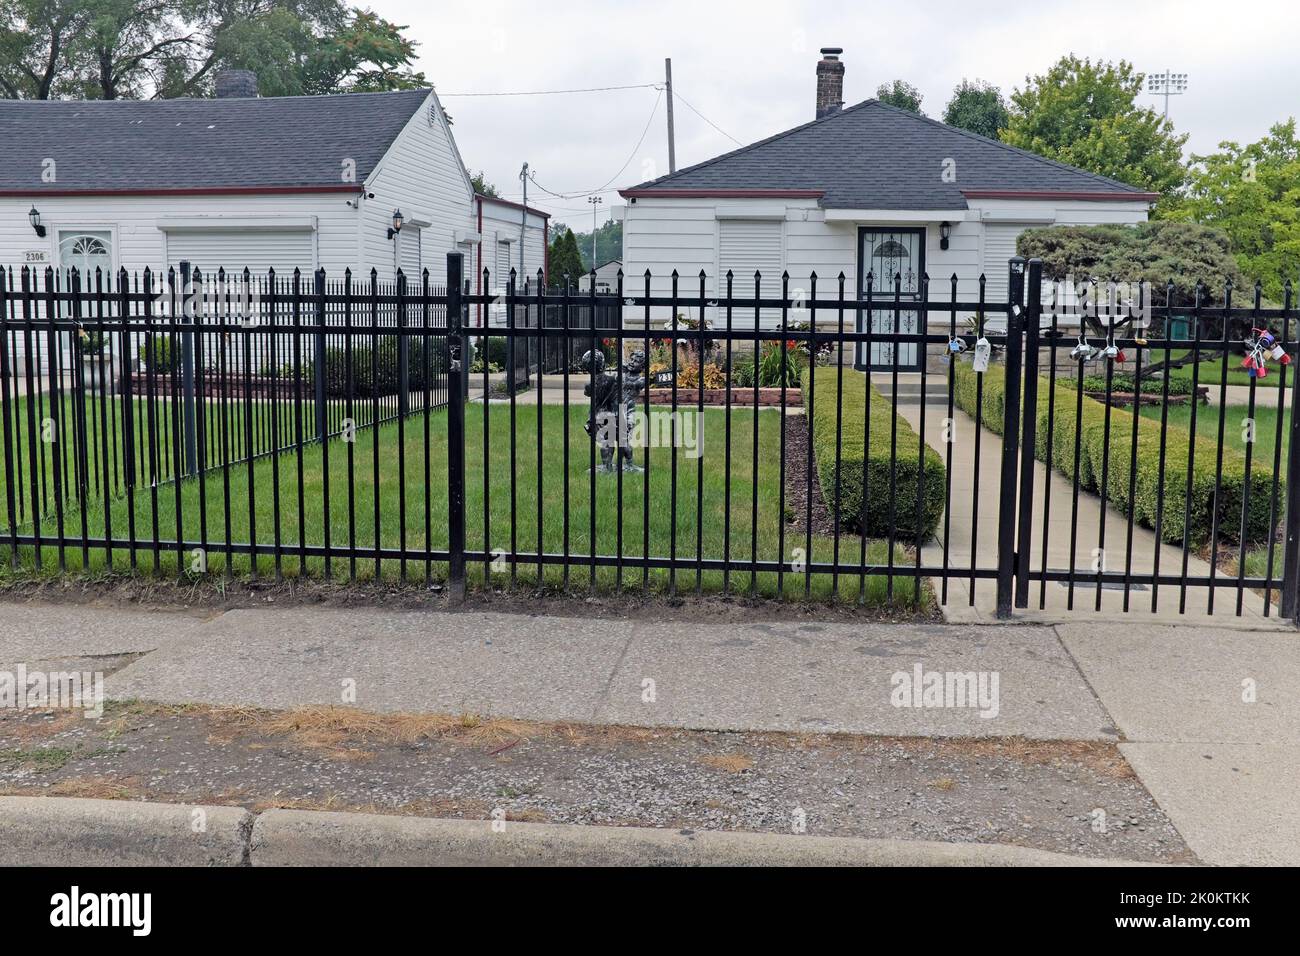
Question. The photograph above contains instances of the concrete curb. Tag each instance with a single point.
(57, 831)
(318, 838)
(66, 831)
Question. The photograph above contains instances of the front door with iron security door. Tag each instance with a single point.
(894, 259)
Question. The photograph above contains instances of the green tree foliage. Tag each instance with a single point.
(367, 54)
(1153, 252)
(901, 94)
(1086, 114)
(565, 259)
(482, 187)
(124, 49)
(609, 244)
(977, 107)
(38, 47)
(1252, 193)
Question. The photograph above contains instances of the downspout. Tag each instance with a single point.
(546, 251)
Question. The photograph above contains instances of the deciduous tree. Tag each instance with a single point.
(901, 94)
(1086, 114)
(1252, 193)
(977, 107)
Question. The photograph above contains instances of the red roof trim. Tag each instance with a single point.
(723, 193)
(512, 205)
(194, 191)
(1054, 194)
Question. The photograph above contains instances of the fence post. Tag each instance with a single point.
(1029, 429)
(403, 350)
(128, 384)
(188, 402)
(6, 412)
(1291, 543)
(318, 358)
(1010, 437)
(459, 373)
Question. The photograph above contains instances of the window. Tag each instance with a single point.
(86, 250)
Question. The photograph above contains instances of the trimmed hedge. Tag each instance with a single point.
(375, 374)
(908, 478)
(1152, 470)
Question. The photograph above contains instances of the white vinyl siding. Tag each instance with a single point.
(745, 247)
(999, 247)
(237, 249)
(422, 175)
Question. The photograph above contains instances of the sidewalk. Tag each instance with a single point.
(1207, 719)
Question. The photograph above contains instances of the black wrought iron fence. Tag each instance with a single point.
(318, 425)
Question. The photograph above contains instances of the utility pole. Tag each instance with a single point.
(595, 202)
(672, 144)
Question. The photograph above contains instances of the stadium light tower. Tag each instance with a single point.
(1167, 84)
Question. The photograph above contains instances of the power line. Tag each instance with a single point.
(590, 89)
(677, 93)
(631, 156)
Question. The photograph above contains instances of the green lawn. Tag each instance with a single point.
(401, 465)
(1207, 426)
(1266, 437)
(1211, 369)
(229, 429)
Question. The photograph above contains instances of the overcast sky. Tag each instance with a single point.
(749, 68)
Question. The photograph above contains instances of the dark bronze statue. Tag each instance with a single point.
(613, 406)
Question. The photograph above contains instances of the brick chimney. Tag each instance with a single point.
(830, 81)
(236, 84)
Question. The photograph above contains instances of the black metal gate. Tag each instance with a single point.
(1242, 521)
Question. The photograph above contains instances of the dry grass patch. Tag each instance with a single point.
(36, 724)
(731, 763)
(91, 788)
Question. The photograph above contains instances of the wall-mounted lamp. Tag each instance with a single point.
(35, 218)
(944, 229)
(397, 223)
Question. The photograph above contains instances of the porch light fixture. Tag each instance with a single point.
(944, 229)
(34, 218)
(397, 223)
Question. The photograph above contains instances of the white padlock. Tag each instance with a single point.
(980, 359)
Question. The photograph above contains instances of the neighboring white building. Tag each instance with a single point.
(501, 234)
(868, 189)
(278, 182)
(606, 277)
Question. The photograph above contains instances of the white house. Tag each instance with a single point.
(865, 190)
(242, 181)
(606, 277)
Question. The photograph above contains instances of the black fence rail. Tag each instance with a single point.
(323, 426)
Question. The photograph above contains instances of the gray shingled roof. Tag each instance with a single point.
(186, 144)
(873, 156)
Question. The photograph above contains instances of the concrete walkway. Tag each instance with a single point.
(1053, 496)
(1208, 719)
(1210, 722)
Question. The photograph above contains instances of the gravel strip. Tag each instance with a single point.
(1038, 794)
